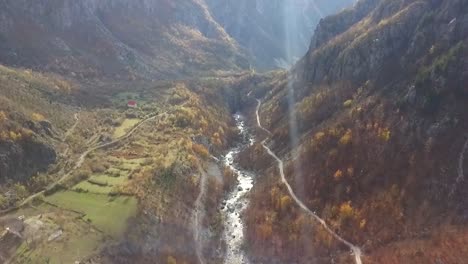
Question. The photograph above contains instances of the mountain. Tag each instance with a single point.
(33, 114)
(155, 39)
(372, 126)
(275, 33)
(115, 39)
(118, 144)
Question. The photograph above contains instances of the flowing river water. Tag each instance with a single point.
(237, 200)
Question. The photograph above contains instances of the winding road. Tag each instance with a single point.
(355, 249)
(72, 128)
(460, 172)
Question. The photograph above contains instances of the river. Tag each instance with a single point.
(238, 199)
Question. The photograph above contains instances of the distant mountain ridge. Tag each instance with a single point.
(275, 32)
(155, 39)
(151, 39)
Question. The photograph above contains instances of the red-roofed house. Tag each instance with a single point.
(132, 104)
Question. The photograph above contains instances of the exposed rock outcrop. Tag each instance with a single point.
(20, 160)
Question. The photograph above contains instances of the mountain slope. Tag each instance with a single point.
(32, 118)
(275, 33)
(115, 39)
(376, 140)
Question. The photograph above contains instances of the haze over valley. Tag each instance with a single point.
(236, 132)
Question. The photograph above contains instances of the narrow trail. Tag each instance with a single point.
(461, 158)
(72, 128)
(355, 249)
(69, 132)
(460, 172)
(198, 215)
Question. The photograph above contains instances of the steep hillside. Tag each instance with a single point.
(32, 120)
(115, 39)
(276, 33)
(372, 126)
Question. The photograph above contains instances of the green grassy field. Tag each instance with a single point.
(108, 214)
(109, 184)
(126, 125)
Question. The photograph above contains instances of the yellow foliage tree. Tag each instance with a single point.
(4, 135)
(319, 136)
(285, 202)
(3, 116)
(264, 231)
(338, 175)
(216, 139)
(37, 117)
(348, 103)
(171, 260)
(346, 138)
(384, 134)
(362, 224)
(274, 194)
(15, 136)
(201, 150)
(346, 211)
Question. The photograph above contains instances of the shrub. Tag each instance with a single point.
(348, 103)
(20, 190)
(346, 211)
(285, 202)
(171, 260)
(82, 174)
(264, 231)
(166, 176)
(346, 138)
(4, 136)
(362, 224)
(384, 134)
(97, 167)
(37, 117)
(200, 150)
(3, 116)
(319, 136)
(338, 175)
(15, 136)
(98, 182)
(3, 201)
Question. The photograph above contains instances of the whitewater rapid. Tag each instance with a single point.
(237, 201)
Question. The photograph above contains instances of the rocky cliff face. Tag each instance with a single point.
(31, 120)
(276, 33)
(379, 143)
(152, 38)
(20, 160)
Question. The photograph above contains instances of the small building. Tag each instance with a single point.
(132, 104)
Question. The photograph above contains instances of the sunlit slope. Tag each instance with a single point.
(275, 33)
(31, 121)
(381, 130)
(116, 39)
